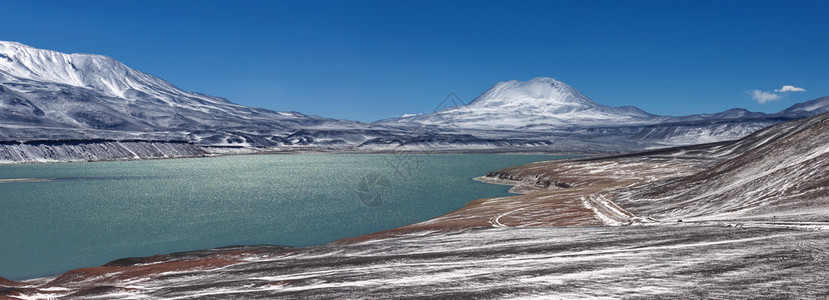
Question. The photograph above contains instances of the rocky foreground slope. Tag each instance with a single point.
(786, 177)
(725, 220)
(671, 261)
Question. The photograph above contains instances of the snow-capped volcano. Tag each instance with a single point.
(546, 105)
(539, 95)
(541, 103)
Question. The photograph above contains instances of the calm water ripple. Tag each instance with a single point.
(87, 214)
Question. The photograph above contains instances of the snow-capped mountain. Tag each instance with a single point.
(96, 72)
(539, 104)
(46, 94)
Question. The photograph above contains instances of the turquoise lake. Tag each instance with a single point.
(87, 214)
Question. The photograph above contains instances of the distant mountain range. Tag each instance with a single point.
(548, 105)
(84, 98)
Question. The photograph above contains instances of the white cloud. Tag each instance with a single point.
(763, 97)
(790, 88)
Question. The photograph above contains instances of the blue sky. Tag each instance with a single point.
(368, 60)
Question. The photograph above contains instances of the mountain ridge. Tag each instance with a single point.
(48, 95)
(87, 91)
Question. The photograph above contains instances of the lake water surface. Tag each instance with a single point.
(86, 214)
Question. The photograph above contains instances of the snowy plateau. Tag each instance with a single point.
(82, 107)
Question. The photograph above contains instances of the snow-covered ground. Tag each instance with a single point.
(675, 261)
(781, 171)
(753, 224)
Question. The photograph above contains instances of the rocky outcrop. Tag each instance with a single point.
(536, 180)
(94, 150)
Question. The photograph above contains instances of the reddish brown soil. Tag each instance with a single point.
(105, 275)
(6, 282)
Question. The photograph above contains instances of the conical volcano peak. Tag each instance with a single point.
(542, 103)
(540, 92)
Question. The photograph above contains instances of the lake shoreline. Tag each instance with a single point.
(486, 212)
(493, 212)
(24, 175)
(161, 259)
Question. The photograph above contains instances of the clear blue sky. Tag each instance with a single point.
(368, 60)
